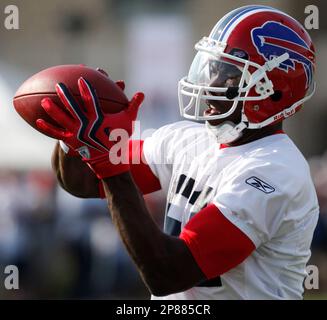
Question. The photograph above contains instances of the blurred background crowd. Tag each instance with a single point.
(67, 247)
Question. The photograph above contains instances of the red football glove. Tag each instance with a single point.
(64, 147)
(91, 132)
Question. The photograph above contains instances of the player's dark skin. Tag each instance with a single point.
(164, 262)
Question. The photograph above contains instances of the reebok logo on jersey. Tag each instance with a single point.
(260, 185)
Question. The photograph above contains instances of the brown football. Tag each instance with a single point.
(27, 100)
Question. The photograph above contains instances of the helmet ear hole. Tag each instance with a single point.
(276, 96)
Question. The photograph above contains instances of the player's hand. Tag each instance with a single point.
(89, 131)
(69, 151)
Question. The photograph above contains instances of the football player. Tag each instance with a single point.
(241, 206)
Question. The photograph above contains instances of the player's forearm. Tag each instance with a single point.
(160, 259)
(73, 175)
(76, 178)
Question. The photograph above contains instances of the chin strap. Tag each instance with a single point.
(226, 132)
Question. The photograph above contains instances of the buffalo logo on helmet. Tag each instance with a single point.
(273, 39)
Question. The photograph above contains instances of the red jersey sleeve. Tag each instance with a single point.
(216, 244)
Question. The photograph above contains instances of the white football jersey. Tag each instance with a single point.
(263, 187)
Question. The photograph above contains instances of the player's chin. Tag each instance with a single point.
(211, 112)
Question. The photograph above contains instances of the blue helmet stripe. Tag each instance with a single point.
(224, 24)
(224, 21)
(244, 11)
